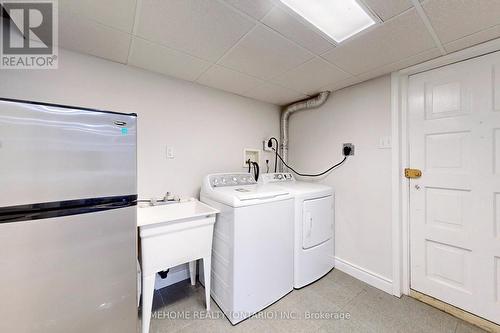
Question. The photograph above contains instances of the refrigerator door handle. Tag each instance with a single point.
(64, 208)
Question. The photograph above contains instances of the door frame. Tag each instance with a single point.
(400, 158)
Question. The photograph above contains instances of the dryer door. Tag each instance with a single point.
(317, 221)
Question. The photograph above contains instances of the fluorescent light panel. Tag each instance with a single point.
(339, 19)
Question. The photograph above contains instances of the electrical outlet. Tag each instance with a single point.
(265, 147)
(348, 145)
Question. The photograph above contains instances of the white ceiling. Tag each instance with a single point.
(255, 48)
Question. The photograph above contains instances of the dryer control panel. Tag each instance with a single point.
(277, 177)
(236, 179)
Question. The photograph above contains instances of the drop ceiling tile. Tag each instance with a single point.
(264, 53)
(290, 27)
(158, 58)
(385, 70)
(405, 63)
(274, 94)
(342, 84)
(255, 8)
(79, 34)
(454, 19)
(119, 14)
(309, 77)
(204, 28)
(394, 40)
(386, 9)
(474, 39)
(226, 79)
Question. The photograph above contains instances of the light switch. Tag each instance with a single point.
(385, 142)
(170, 153)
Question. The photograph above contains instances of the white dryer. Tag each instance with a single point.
(252, 252)
(314, 226)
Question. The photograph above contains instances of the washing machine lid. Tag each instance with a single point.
(253, 192)
(246, 195)
(240, 189)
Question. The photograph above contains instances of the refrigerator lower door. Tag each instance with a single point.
(70, 274)
(51, 153)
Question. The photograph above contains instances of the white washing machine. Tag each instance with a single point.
(314, 226)
(252, 252)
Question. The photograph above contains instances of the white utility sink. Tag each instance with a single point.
(174, 212)
(171, 235)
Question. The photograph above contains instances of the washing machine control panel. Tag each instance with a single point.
(232, 180)
(277, 177)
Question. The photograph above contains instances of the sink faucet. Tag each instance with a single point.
(169, 198)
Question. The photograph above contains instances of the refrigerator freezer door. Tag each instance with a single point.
(51, 153)
(70, 274)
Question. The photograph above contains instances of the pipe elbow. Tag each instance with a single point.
(311, 103)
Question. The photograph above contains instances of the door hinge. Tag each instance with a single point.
(412, 173)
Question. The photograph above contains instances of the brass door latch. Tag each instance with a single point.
(412, 173)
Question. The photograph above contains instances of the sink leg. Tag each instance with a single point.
(207, 264)
(192, 272)
(148, 287)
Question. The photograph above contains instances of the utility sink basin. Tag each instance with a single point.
(170, 235)
(175, 212)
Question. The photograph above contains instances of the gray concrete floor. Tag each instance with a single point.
(368, 310)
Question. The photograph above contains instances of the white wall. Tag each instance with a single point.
(207, 128)
(360, 114)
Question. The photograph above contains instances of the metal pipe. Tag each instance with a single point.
(311, 103)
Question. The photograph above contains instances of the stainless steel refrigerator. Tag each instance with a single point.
(68, 230)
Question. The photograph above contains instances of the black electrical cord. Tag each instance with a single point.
(270, 145)
(256, 170)
(311, 175)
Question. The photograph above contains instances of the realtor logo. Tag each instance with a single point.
(29, 35)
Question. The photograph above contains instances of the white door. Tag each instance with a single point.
(454, 115)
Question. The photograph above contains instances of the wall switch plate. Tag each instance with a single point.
(350, 145)
(385, 142)
(170, 153)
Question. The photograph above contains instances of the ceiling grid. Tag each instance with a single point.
(257, 49)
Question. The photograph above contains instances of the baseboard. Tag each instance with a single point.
(181, 273)
(176, 274)
(373, 279)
